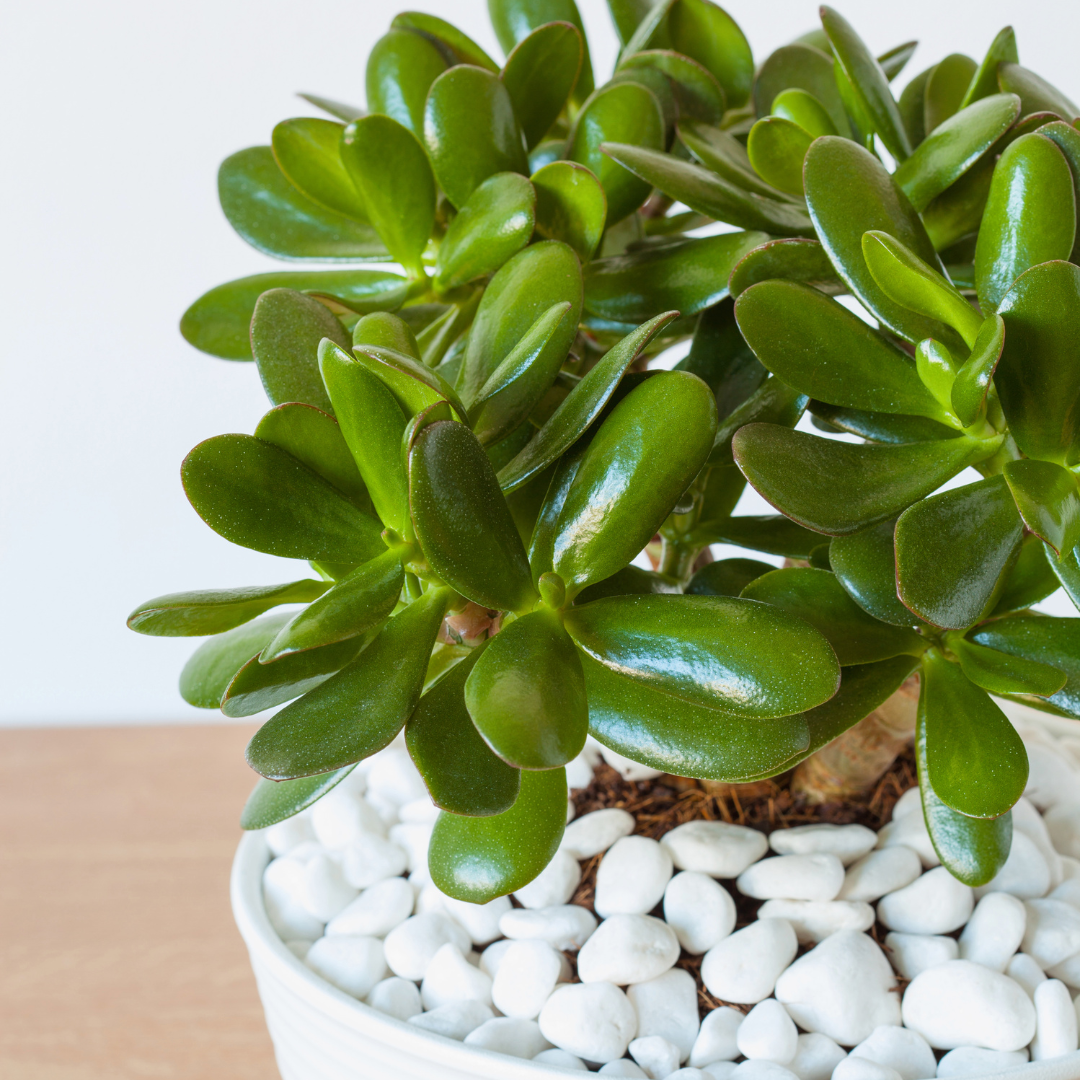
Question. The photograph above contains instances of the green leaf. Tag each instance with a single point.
(945, 89)
(957, 211)
(258, 496)
(277, 218)
(972, 381)
(627, 15)
(354, 606)
(270, 803)
(815, 344)
(723, 154)
(545, 529)
(540, 74)
(632, 474)
(495, 223)
(687, 276)
(650, 29)
(802, 108)
(708, 34)
(526, 694)
(694, 91)
(817, 597)
(570, 206)
(630, 579)
(801, 474)
(799, 67)
(218, 322)
(580, 407)
(360, 709)
(400, 70)
(528, 285)
(1038, 375)
(372, 423)
(337, 109)
(470, 131)
(212, 666)
(777, 147)
(618, 113)
(738, 657)
(213, 611)
(1036, 94)
(774, 402)
(480, 858)
(462, 520)
(912, 106)
(952, 549)
(462, 775)
(727, 577)
(771, 533)
(308, 152)
(1047, 499)
(789, 260)
(414, 385)
(879, 427)
(286, 329)
(1029, 580)
(708, 193)
(895, 59)
(985, 81)
(391, 171)
(998, 673)
(865, 564)
(382, 330)
(458, 48)
(975, 761)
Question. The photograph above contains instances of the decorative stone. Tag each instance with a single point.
(880, 872)
(594, 833)
(717, 1040)
(935, 903)
(579, 773)
(518, 1038)
(415, 840)
(744, 967)
(793, 877)
(491, 958)
(816, 1056)
(626, 767)
(994, 931)
(1055, 1021)
(352, 964)
(341, 818)
(1068, 971)
(394, 779)
(714, 847)
(1068, 890)
(699, 910)
(1025, 874)
(815, 920)
(623, 1067)
(455, 1020)
(1051, 779)
(554, 885)
(719, 1070)
(667, 1006)
(370, 859)
(1028, 820)
(898, 1048)
(481, 921)
(283, 836)
(977, 1061)
(909, 831)
(1052, 933)
(760, 1070)
(299, 948)
(595, 1021)
(768, 1033)
(631, 877)
(908, 803)
(565, 926)
(282, 884)
(843, 988)
(689, 1074)
(846, 842)
(397, 997)
(526, 976)
(964, 1004)
(628, 949)
(561, 1059)
(376, 911)
(858, 1068)
(450, 977)
(1023, 970)
(914, 953)
(658, 1057)
(324, 891)
(411, 946)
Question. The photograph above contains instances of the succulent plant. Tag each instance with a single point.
(471, 453)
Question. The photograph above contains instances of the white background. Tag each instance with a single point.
(115, 117)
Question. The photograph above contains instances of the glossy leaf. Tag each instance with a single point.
(777, 147)
(580, 407)
(738, 657)
(382, 330)
(213, 611)
(895, 59)
(360, 709)
(774, 402)
(1029, 580)
(801, 474)
(495, 223)
(999, 673)
(727, 577)
(308, 152)
(337, 109)
(1030, 217)
(258, 496)
(391, 171)
(650, 29)
(570, 206)
(1067, 139)
(626, 15)
(802, 108)
(957, 211)
(618, 113)
(708, 34)
(687, 276)
(815, 344)
(817, 597)
(1036, 94)
(458, 48)
(1048, 501)
(788, 260)
(945, 89)
(985, 82)
(771, 533)
(413, 383)
(879, 427)
(799, 67)
(271, 802)
(631, 476)
(462, 775)
(541, 73)
(952, 549)
(695, 92)
(1038, 375)
(972, 381)
(462, 520)
(480, 858)
(722, 153)
(1067, 572)
(470, 131)
(514, 20)
(218, 322)
(911, 104)
(865, 564)
(975, 761)
(400, 70)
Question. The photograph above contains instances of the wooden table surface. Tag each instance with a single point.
(118, 954)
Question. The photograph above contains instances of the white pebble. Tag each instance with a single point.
(411, 946)
(1068, 890)
(935, 903)
(341, 817)
(526, 976)
(352, 964)
(910, 831)
(1028, 820)
(882, 871)
(1025, 873)
(793, 877)
(554, 885)
(908, 803)
(492, 956)
(430, 898)
(631, 877)
(667, 1006)
(658, 1057)
(561, 1059)
(481, 921)
(914, 953)
(1051, 779)
(371, 858)
(579, 772)
(419, 811)
(843, 988)
(744, 967)
(689, 1074)
(283, 836)
(594, 833)
(1068, 971)
(299, 948)
(595, 1021)
(760, 1070)
(994, 931)
(626, 767)
(565, 926)
(714, 847)
(815, 920)
(414, 839)
(394, 778)
(846, 842)
(622, 1067)
(718, 1038)
(768, 1033)
(719, 1070)
(1023, 970)
(376, 911)
(859, 1068)
(1055, 1021)
(450, 977)
(1053, 931)
(964, 1004)
(897, 1048)
(699, 910)
(977, 1061)
(282, 884)
(325, 892)
(455, 1020)
(504, 1034)
(816, 1057)
(397, 997)
(628, 949)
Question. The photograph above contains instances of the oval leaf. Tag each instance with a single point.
(540, 74)
(972, 381)
(800, 67)
(400, 70)
(1046, 496)
(570, 206)
(998, 673)
(458, 48)
(270, 802)
(777, 147)
(865, 564)
(728, 577)
(308, 152)
(212, 666)
(788, 260)
(708, 34)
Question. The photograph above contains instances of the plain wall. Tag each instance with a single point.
(116, 115)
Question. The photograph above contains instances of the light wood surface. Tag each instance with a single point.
(118, 954)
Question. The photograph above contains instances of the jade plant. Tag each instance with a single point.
(472, 451)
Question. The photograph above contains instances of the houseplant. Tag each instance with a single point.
(471, 452)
